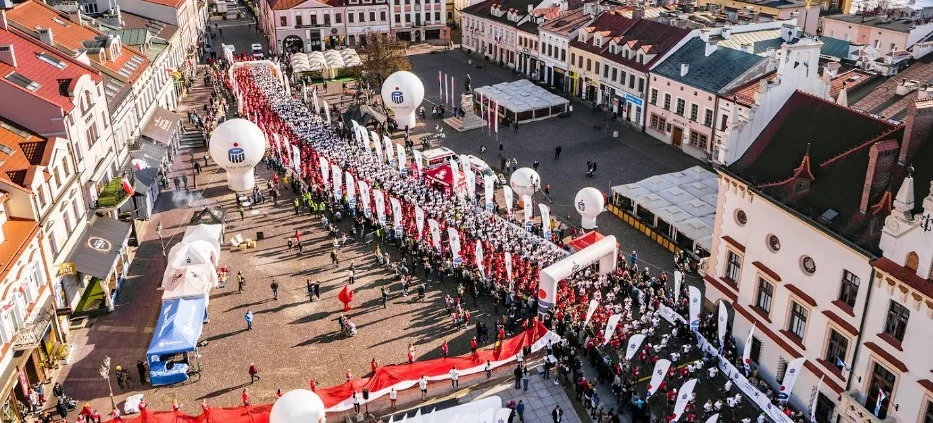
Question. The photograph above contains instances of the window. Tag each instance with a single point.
(615, 73)
(631, 81)
(437, 16)
(382, 16)
(622, 77)
(91, 133)
(573, 56)
(824, 409)
(606, 71)
(654, 121)
(53, 244)
(837, 348)
(896, 323)
(756, 350)
(641, 85)
(774, 243)
(848, 292)
(589, 65)
(313, 20)
(733, 267)
(56, 174)
(883, 380)
(372, 16)
(654, 95)
(694, 112)
(765, 293)
(350, 17)
(708, 118)
(698, 140)
(667, 101)
(741, 217)
(928, 417)
(338, 18)
(65, 168)
(362, 17)
(299, 20)
(681, 105)
(40, 194)
(798, 320)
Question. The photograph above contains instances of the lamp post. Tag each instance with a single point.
(105, 373)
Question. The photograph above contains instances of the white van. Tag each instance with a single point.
(481, 169)
(436, 156)
(257, 51)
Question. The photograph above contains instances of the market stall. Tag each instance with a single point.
(194, 252)
(443, 177)
(175, 339)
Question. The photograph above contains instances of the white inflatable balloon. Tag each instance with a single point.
(525, 181)
(238, 145)
(298, 406)
(403, 92)
(589, 202)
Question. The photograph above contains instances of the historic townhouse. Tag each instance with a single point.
(554, 40)
(305, 25)
(491, 28)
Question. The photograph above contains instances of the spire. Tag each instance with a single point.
(803, 171)
(904, 202)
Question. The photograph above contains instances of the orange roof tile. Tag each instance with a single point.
(169, 3)
(18, 233)
(745, 94)
(32, 15)
(851, 79)
(28, 150)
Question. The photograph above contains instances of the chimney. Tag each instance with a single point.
(918, 125)
(684, 68)
(726, 32)
(881, 160)
(531, 7)
(4, 25)
(7, 55)
(832, 68)
(639, 12)
(74, 14)
(788, 32)
(45, 35)
(563, 5)
(710, 48)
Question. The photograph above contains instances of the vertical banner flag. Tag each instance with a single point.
(452, 101)
(790, 378)
(470, 178)
(327, 112)
(683, 397)
(419, 220)
(611, 325)
(351, 191)
(364, 197)
(364, 139)
(380, 201)
(495, 117)
(401, 159)
(529, 211)
(722, 322)
(634, 344)
(479, 257)
(747, 351)
(678, 282)
(377, 145)
(417, 158)
(325, 169)
(390, 155)
(317, 107)
(545, 221)
(338, 188)
(816, 396)
(507, 195)
(440, 85)
(278, 150)
(446, 91)
(589, 311)
(455, 176)
(489, 187)
(657, 376)
(696, 300)
(396, 215)
(296, 159)
(435, 233)
(304, 92)
(454, 240)
(881, 397)
(508, 266)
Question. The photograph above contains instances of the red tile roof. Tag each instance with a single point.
(170, 3)
(28, 151)
(650, 37)
(32, 15)
(745, 94)
(19, 233)
(29, 65)
(567, 22)
(852, 80)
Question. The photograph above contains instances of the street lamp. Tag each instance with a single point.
(105, 373)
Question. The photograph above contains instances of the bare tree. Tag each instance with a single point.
(380, 58)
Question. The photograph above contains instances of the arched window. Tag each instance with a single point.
(913, 261)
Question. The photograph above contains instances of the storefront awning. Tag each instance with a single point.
(161, 127)
(100, 247)
(147, 161)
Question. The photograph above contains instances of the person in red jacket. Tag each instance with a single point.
(373, 365)
(444, 348)
(473, 344)
(245, 396)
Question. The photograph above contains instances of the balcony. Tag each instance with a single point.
(112, 195)
(30, 336)
(851, 410)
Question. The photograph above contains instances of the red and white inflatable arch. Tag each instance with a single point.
(604, 251)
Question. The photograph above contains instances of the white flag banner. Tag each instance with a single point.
(296, 160)
(454, 240)
(304, 92)
(338, 182)
(390, 151)
(589, 312)
(464, 163)
(317, 106)
(364, 197)
(713, 419)
(747, 351)
(419, 220)
(722, 321)
(508, 195)
(813, 401)
(508, 266)
(683, 397)
(611, 325)
(479, 257)
(278, 148)
(401, 159)
(634, 344)
(545, 221)
(696, 304)
(455, 176)
(435, 233)
(489, 191)
(790, 378)
(355, 123)
(325, 169)
(380, 201)
(678, 281)
(657, 376)
(470, 179)
(326, 113)
(351, 191)
(396, 211)
(377, 146)
(417, 155)
(529, 212)
(364, 139)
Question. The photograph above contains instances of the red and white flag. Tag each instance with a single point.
(127, 187)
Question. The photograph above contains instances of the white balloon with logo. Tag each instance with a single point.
(237, 146)
(524, 181)
(298, 406)
(589, 202)
(403, 92)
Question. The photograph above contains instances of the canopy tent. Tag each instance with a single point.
(520, 101)
(177, 331)
(585, 240)
(363, 115)
(317, 61)
(194, 252)
(189, 282)
(208, 216)
(214, 234)
(680, 205)
(442, 175)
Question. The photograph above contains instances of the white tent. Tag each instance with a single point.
(191, 253)
(521, 100)
(210, 233)
(188, 281)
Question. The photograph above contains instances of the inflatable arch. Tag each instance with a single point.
(604, 251)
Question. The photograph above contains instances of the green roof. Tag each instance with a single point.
(130, 37)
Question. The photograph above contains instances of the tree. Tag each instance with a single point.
(379, 57)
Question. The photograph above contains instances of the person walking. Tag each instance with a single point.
(197, 168)
(535, 164)
(423, 384)
(249, 319)
(275, 290)
(444, 349)
(333, 258)
(140, 368)
(240, 281)
(393, 396)
(184, 179)
(385, 297)
(557, 151)
(520, 409)
(310, 290)
(518, 376)
(253, 373)
(473, 345)
(317, 290)
(177, 182)
(525, 379)
(488, 369)
(356, 403)
(245, 397)
(351, 274)
(557, 415)
(454, 376)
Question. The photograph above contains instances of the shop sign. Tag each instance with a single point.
(633, 99)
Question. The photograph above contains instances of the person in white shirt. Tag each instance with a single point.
(730, 401)
(728, 386)
(718, 405)
(708, 407)
(393, 395)
(675, 357)
(712, 371)
(423, 384)
(356, 402)
(520, 357)
(686, 348)
(738, 398)
(454, 375)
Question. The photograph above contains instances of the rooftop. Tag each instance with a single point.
(20, 150)
(777, 4)
(159, 29)
(288, 4)
(568, 22)
(852, 79)
(710, 73)
(880, 21)
(170, 3)
(49, 71)
(883, 100)
(18, 233)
